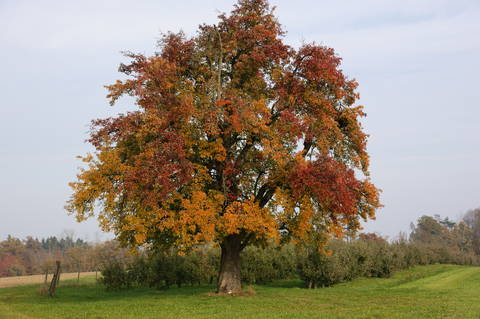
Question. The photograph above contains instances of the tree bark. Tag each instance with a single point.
(229, 280)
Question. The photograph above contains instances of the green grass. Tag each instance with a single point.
(436, 291)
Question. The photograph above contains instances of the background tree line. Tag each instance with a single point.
(33, 256)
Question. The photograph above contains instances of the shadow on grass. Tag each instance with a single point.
(99, 293)
(88, 293)
(292, 283)
(71, 292)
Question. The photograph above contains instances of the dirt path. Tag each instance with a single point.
(38, 279)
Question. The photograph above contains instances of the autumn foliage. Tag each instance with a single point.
(238, 139)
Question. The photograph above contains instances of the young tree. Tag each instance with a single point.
(238, 139)
(76, 258)
(472, 220)
(428, 230)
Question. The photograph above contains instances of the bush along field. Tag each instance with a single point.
(341, 261)
(433, 241)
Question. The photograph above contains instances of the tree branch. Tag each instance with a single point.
(220, 62)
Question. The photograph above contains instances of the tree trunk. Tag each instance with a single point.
(229, 276)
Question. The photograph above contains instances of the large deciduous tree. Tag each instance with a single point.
(238, 139)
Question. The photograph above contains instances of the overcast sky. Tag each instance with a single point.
(417, 62)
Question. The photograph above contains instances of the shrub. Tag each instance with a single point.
(317, 269)
(164, 271)
(263, 265)
(115, 276)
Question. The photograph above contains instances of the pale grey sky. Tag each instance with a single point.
(417, 63)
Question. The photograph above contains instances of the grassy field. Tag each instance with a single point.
(38, 279)
(437, 291)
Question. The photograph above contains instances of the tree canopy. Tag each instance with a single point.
(237, 139)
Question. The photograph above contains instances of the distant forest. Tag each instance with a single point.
(451, 242)
(33, 256)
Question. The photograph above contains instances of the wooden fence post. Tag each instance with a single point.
(46, 276)
(55, 279)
